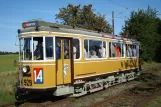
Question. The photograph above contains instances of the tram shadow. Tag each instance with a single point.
(41, 100)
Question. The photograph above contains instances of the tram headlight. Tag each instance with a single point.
(26, 69)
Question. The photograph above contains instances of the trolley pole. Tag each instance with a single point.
(113, 23)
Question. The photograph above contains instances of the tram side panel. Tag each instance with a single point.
(101, 67)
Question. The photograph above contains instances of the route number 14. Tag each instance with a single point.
(38, 76)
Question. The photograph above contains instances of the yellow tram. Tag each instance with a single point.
(72, 61)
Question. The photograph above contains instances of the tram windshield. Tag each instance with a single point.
(32, 48)
(25, 49)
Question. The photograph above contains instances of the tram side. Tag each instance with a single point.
(105, 62)
(114, 59)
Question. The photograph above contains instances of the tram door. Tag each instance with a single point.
(64, 61)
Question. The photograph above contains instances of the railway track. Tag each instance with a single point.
(128, 99)
(109, 100)
(137, 96)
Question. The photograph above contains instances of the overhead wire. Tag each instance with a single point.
(116, 16)
(117, 4)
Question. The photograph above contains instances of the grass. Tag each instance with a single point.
(147, 64)
(8, 78)
(8, 82)
(7, 63)
(155, 102)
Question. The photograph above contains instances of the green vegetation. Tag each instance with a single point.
(8, 78)
(150, 64)
(7, 53)
(155, 102)
(7, 63)
(144, 26)
(83, 17)
(8, 86)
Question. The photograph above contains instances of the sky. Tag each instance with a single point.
(14, 12)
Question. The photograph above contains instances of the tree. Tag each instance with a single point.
(83, 17)
(143, 26)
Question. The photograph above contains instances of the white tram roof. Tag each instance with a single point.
(39, 25)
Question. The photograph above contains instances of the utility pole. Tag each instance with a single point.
(125, 28)
(113, 23)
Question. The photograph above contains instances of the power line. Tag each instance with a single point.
(117, 4)
(116, 16)
(120, 6)
(121, 12)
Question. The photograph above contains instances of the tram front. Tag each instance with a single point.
(37, 63)
(41, 66)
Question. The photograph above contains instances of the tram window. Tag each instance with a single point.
(76, 49)
(102, 50)
(131, 50)
(122, 49)
(133, 47)
(94, 49)
(127, 51)
(137, 50)
(86, 49)
(38, 48)
(21, 48)
(49, 48)
(110, 50)
(66, 49)
(58, 48)
(116, 49)
(27, 49)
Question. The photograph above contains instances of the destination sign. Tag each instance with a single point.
(29, 24)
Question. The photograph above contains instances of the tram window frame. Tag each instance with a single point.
(66, 49)
(21, 44)
(57, 46)
(122, 49)
(53, 49)
(80, 48)
(87, 50)
(44, 50)
(43, 45)
(137, 50)
(29, 49)
(131, 45)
